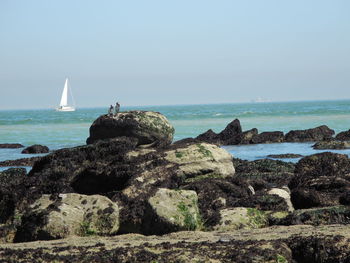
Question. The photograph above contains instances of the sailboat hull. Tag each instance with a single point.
(65, 109)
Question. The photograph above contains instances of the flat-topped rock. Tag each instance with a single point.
(285, 156)
(335, 145)
(11, 145)
(36, 148)
(147, 127)
(298, 243)
(319, 133)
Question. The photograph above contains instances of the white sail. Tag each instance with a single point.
(64, 98)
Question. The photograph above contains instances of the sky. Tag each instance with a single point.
(158, 52)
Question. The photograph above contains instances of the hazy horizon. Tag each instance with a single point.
(158, 53)
(191, 104)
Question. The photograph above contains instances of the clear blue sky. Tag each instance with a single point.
(173, 52)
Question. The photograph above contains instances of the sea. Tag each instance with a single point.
(68, 129)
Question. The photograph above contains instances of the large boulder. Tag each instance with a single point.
(68, 215)
(285, 194)
(36, 148)
(173, 168)
(232, 134)
(319, 133)
(343, 136)
(146, 126)
(97, 168)
(320, 180)
(127, 173)
(172, 210)
(179, 164)
(201, 159)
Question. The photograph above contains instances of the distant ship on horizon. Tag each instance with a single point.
(257, 100)
(64, 106)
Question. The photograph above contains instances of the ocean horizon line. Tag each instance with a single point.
(185, 104)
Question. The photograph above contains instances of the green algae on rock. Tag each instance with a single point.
(146, 126)
(174, 210)
(200, 159)
(241, 218)
(69, 215)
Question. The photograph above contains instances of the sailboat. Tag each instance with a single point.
(64, 99)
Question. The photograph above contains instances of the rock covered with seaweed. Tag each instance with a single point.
(146, 126)
(131, 179)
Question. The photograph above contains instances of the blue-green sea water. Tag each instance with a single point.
(66, 129)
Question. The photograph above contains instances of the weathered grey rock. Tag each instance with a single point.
(146, 126)
(201, 159)
(187, 162)
(241, 218)
(340, 145)
(319, 133)
(284, 194)
(69, 215)
(36, 148)
(173, 210)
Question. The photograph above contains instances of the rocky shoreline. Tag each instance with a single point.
(131, 195)
(301, 243)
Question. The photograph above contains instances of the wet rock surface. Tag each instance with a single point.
(339, 145)
(123, 190)
(233, 134)
(319, 133)
(265, 173)
(320, 180)
(20, 162)
(299, 243)
(268, 137)
(11, 145)
(285, 156)
(36, 148)
(343, 136)
(318, 216)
